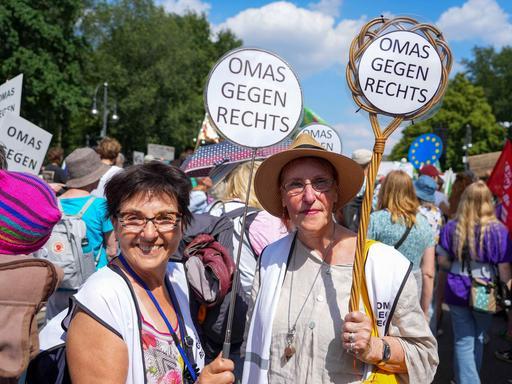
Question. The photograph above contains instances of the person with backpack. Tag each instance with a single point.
(260, 229)
(78, 253)
(399, 223)
(474, 251)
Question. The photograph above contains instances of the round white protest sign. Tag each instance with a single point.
(253, 98)
(325, 135)
(400, 72)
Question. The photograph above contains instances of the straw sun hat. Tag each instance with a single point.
(349, 174)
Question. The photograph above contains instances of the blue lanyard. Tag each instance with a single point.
(167, 322)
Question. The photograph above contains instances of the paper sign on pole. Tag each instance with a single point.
(26, 144)
(138, 157)
(161, 152)
(325, 135)
(253, 98)
(400, 72)
(10, 96)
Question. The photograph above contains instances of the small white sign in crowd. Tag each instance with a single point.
(161, 152)
(325, 135)
(25, 143)
(10, 96)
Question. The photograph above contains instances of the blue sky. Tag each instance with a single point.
(314, 37)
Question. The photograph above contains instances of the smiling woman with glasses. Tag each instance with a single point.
(135, 314)
(300, 330)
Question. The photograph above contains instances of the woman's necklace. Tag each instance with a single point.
(290, 350)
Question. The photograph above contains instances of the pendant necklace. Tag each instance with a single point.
(290, 350)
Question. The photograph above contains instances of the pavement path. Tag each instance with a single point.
(493, 371)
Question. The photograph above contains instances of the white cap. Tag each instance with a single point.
(362, 156)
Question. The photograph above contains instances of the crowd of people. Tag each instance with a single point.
(153, 310)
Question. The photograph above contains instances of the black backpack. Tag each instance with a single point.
(352, 213)
(211, 322)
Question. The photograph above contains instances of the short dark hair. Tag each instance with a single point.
(155, 178)
(55, 155)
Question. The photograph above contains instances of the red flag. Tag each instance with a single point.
(500, 183)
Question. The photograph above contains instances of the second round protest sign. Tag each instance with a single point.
(253, 98)
(325, 135)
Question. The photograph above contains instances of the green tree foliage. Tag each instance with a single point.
(38, 38)
(463, 103)
(156, 65)
(493, 72)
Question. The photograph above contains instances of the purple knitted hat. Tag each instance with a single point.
(28, 212)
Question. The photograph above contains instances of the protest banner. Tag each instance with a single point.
(325, 135)
(161, 152)
(424, 150)
(10, 96)
(398, 68)
(500, 183)
(25, 144)
(253, 98)
(138, 157)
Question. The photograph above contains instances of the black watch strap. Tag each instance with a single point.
(386, 352)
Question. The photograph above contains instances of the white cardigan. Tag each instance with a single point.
(386, 271)
(107, 297)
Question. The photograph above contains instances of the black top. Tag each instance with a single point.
(54, 174)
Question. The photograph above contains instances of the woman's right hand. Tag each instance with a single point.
(219, 371)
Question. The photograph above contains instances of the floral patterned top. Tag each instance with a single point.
(421, 236)
(163, 362)
(434, 217)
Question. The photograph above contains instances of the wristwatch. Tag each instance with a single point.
(386, 353)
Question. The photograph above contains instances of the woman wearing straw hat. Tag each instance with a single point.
(299, 329)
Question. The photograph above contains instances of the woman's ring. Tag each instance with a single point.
(351, 337)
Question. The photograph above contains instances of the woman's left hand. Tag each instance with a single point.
(357, 334)
(219, 371)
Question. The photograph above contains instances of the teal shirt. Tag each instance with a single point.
(421, 236)
(95, 220)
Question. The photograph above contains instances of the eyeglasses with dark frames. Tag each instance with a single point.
(135, 223)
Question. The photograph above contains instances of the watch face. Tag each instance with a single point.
(386, 352)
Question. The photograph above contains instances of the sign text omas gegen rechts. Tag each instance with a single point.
(253, 98)
(400, 72)
(255, 95)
